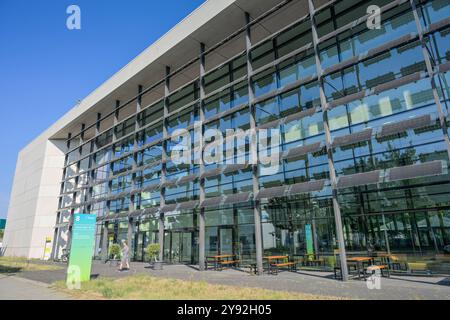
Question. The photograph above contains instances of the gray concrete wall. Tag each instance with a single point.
(34, 198)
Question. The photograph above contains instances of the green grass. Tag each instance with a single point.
(18, 264)
(144, 287)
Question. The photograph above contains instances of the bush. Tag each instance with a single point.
(107, 292)
(152, 251)
(115, 251)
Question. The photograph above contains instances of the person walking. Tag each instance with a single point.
(124, 261)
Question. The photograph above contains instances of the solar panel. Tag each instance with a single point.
(444, 67)
(431, 168)
(169, 183)
(271, 124)
(135, 213)
(299, 115)
(341, 65)
(188, 205)
(390, 44)
(211, 202)
(211, 173)
(237, 198)
(187, 179)
(398, 82)
(302, 150)
(397, 127)
(347, 99)
(306, 187)
(134, 191)
(359, 179)
(234, 167)
(353, 138)
(151, 187)
(150, 211)
(274, 192)
(438, 25)
(111, 217)
(168, 208)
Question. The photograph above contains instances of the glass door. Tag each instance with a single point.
(179, 247)
(139, 246)
(186, 247)
(225, 245)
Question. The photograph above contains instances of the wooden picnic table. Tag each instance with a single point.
(360, 263)
(359, 259)
(314, 261)
(222, 260)
(221, 256)
(274, 266)
(275, 257)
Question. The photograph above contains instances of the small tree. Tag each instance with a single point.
(153, 251)
(114, 250)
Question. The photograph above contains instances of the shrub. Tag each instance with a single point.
(152, 251)
(115, 251)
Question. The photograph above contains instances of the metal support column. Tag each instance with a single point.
(130, 234)
(323, 102)
(254, 150)
(133, 206)
(201, 218)
(115, 120)
(105, 242)
(164, 160)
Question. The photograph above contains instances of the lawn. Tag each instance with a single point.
(144, 287)
(16, 264)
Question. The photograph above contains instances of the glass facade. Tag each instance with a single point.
(380, 127)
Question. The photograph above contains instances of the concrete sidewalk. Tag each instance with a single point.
(18, 288)
(320, 283)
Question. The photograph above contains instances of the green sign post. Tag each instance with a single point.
(81, 250)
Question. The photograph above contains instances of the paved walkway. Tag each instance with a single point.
(321, 283)
(17, 288)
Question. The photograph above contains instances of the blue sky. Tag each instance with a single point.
(45, 68)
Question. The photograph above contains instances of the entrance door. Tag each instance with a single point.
(225, 245)
(180, 247)
(219, 240)
(139, 248)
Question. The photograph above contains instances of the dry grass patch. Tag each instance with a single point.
(144, 287)
(17, 264)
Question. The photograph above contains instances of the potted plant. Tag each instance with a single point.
(153, 251)
(114, 252)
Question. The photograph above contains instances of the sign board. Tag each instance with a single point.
(47, 248)
(81, 249)
(309, 239)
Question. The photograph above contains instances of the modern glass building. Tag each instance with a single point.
(363, 114)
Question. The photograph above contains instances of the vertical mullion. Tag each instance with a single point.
(323, 102)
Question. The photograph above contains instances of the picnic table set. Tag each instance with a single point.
(359, 266)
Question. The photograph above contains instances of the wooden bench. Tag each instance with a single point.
(274, 266)
(351, 267)
(228, 263)
(314, 262)
(418, 267)
(382, 268)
